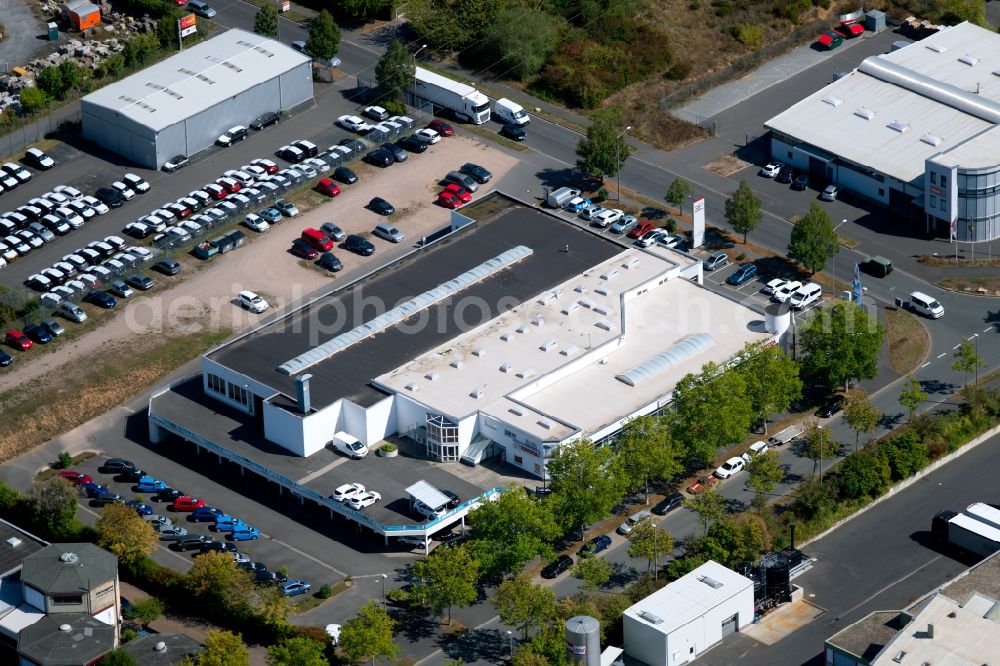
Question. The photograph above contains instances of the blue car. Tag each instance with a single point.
(141, 508)
(294, 587)
(229, 524)
(205, 514)
(742, 274)
(595, 545)
(271, 215)
(92, 489)
(579, 204)
(244, 533)
(101, 298)
(5, 359)
(148, 484)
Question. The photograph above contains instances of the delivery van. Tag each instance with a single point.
(511, 112)
(561, 197)
(926, 305)
(349, 446)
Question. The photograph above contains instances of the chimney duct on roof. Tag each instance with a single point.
(302, 393)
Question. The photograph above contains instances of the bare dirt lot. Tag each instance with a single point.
(104, 366)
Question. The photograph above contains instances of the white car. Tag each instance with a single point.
(650, 238)
(428, 512)
(347, 491)
(333, 631)
(608, 217)
(776, 283)
(353, 123)
(231, 135)
(56, 197)
(756, 450)
(666, 240)
(252, 302)
(770, 169)
(428, 136)
(807, 294)
(67, 191)
(127, 192)
(785, 291)
(376, 113)
(254, 171)
(255, 222)
(73, 218)
(82, 209)
(730, 467)
(96, 204)
(363, 500)
(137, 183)
(17, 171)
(316, 163)
(592, 212)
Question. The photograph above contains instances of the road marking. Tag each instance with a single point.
(308, 556)
(974, 335)
(956, 346)
(893, 583)
(925, 365)
(321, 471)
(988, 329)
(942, 354)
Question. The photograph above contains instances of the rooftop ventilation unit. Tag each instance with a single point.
(630, 262)
(523, 328)
(431, 376)
(478, 393)
(506, 367)
(570, 349)
(937, 48)
(900, 656)
(969, 60)
(899, 126)
(581, 289)
(586, 302)
(931, 139)
(569, 308)
(69, 558)
(546, 297)
(686, 348)
(526, 373)
(14, 542)
(235, 68)
(412, 387)
(711, 582)
(538, 320)
(604, 323)
(479, 351)
(189, 72)
(505, 336)
(602, 309)
(602, 289)
(549, 344)
(456, 363)
(650, 617)
(608, 274)
(516, 410)
(545, 423)
(862, 112)
(160, 647)
(833, 101)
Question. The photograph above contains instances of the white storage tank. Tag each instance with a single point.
(583, 640)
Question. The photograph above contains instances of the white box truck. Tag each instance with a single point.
(966, 532)
(465, 102)
(511, 112)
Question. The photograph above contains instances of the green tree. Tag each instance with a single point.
(221, 587)
(967, 360)
(772, 379)
(369, 635)
(816, 498)
(144, 611)
(743, 210)
(863, 474)
(860, 414)
(53, 503)
(764, 472)
(647, 452)
(650, 544)
(709, 505)
(297, 651)
(512, 531)
(678, 191)
(123, 532)
(593, 571)
(224, 648)
(524, 604)
(272, 606)
(365, 9)
(585, 484)
(266, 21)
(604, 150)
(912, 396)
(448, 578)
(953, 12)
(514, 52)
(713, 410)
(324, 37)
(818, 445)
(813, 239)
(840, 344)
(113, 66)
(394, 71)
(71, 75)
(33, 100)
(49, 80)
(118, 657)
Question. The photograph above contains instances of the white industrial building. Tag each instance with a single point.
(180, 105)
(506, 339)
(679, 622)
(915, 129)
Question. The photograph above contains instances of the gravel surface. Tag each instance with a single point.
(22, 38)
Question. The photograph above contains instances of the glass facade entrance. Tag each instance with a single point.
(442, 439)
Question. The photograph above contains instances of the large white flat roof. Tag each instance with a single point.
(197, 78)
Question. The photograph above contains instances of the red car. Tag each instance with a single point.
(701, 484)
(229, 185)
(181, 3)
(185, 503)
(459, 191)
(448, 200)
(18, 340)
(266, 165)
(641, 229)
(327, 187)
(441, 127)
(76, 478)
(216, 191)
(300, 248)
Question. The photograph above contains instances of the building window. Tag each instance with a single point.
(518, 460)
(933, 201)
(789, 154)
(216, 384)
(441, 430)
(933, 178)
(944, 181)
(239, 394)
(881, 192)
(67, 600)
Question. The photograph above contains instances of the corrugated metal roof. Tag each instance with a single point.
(428, 494)
(689, 597)
(197, 78)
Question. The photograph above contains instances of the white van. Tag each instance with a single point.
(807, 294)
(349, 446)
(926, 305)
(511, 112)
(561, 197)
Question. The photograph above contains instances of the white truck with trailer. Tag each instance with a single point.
(465, 102)
(966, 532)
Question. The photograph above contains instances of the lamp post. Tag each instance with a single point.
(618, 159)
(510, 643)
(383, 577)
(415, 73)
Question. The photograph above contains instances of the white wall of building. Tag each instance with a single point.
(284, 428)
(232, 377)
(107, 616)
(409, 414)
(379, 421)
(318, 428)
(352, 420)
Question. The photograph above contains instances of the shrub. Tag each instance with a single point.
(671, 225)
(906, 455)
(864, 474)
(64, 461)
(679, 71)
(324, 592)
(602, 194)
(741, 256)
(748, 35)
(389, 447)
(394, 108)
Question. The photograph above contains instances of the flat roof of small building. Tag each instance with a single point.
(15, 545)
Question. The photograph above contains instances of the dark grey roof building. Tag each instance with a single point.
(68, 567)
(70, 639)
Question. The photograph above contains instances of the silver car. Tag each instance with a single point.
(388, 232)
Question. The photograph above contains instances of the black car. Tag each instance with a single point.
(478, 173)
(218, 547)
(596, 545)
(105, 499)
(830, 407)
(140, 282)
(101, 298)
(5, 359)
(398, 152)
(190, 542)
(38, 334)
(176, 162)
(167, 267)
(329, 262)
(116, 466)
(412, 144)
(379, 158)
(453, 500)
(168, 494)
(265, 120)
(360, 245)
(381, 206)
(801, 182)
(668, 504)
(110, 197)
(513, 132)
(356, 146)
(560, 565)
(785, 175)
(345, 175)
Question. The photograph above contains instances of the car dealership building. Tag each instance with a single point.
(181, 105)
(915, 129)
(504, 338)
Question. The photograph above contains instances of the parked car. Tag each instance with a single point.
(148, 484)
(116, 466)
(74, 477)
(18, 340)
(641, 228)
(172, 533)
(386, 231)
(381, 206)
(328, 187)
(190, 542)
(252, 302)
(448, 200)
(347, 492)
(364, 500)
(140, 282)
(774, 284)
(293, 588)
(668, 504)
(232, 135)
(785, 291)
(701, 484)
(379, 158)
(412, 144)
(167, 267)
(265, 120)
(141, 508)
(110, 197)
(756, 450)
(302, 249)
(329, 262)
(353, 123)
(37, 334)
(136, 183)
(441, 127)
(176, 162)
(120, 289)
(105, 498)
(785, 175)
(187, 503)
(287, 208)
(730, 467)
(830, 193)
(558, 566)
(252, 221)
(742, 274)
(801, 182)
(345, 175)
(38, 159)
(771, 169)
(205, 514)
(398, 153)
(53, 327)
(595, 545)
(624, 225)
(244, 533)
(715, 261)
(375, 113)
(101, 299)
(5, 359)
(830, 407)
(428, 136)
(359, 245)
(168, 495)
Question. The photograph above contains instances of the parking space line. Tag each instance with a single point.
(321, 471)
(987, 329)
(309, 557)
(942, 354)
(973, 336)
(925, 365)
(956, 346)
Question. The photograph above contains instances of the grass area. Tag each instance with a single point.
(847, 242)
(972, 284)
(908, 340)
(313, 601)
(488, 208)
(46, 407)
(493, 136)
(47, 474)
(962, 260)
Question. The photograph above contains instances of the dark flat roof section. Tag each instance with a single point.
(348, 374)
